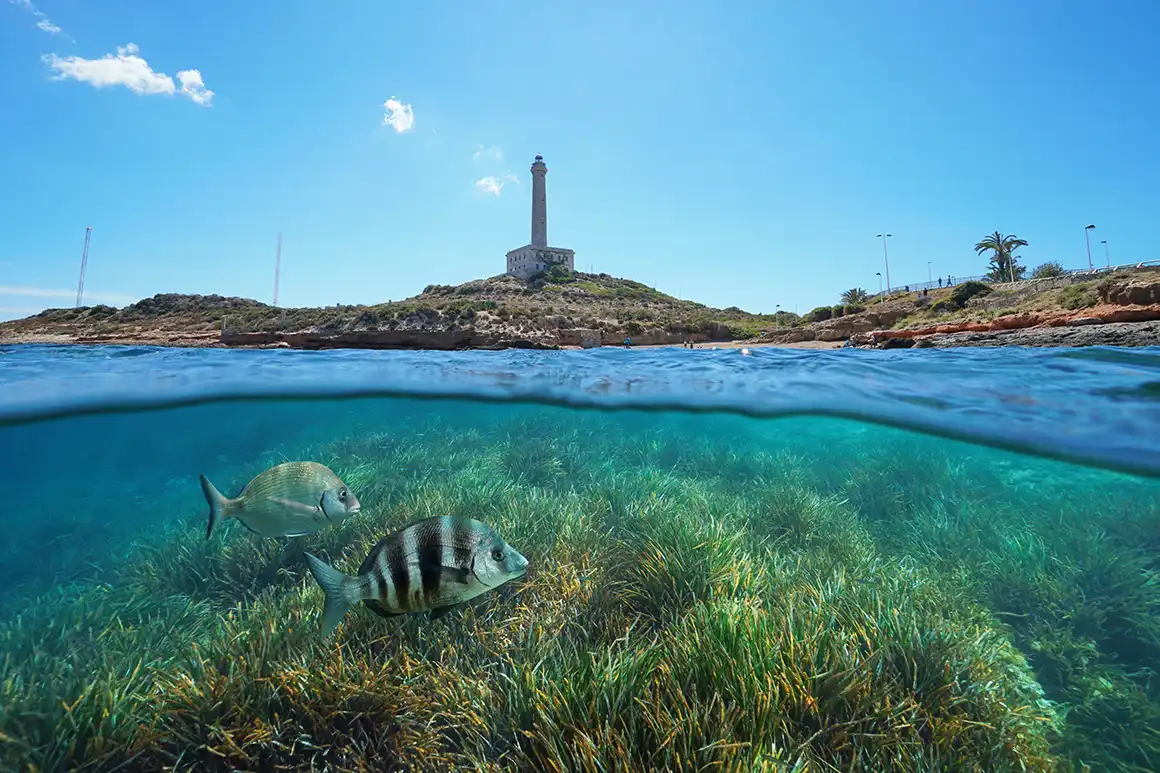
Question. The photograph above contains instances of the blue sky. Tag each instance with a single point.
(741, 153)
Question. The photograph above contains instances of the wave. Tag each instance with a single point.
(1096, 406)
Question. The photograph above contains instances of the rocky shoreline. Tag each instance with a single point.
(1129, 334)
(1127, 313)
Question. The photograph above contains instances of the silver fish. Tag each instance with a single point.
(435, 564)
(288, 500)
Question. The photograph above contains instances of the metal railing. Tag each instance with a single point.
(957, 280)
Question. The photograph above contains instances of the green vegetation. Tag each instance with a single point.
(968, 290)
(800, 595)
(1081, 295)
(555, 299)
(1049, 269)
(1004, 265)
(855, 295)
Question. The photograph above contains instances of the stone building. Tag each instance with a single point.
(537, 256)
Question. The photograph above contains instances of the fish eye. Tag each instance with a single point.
(497, 554)
(342, 494)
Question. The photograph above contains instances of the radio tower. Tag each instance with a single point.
(84, 262)
(277, 267)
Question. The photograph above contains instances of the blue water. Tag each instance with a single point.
(1095, 405)
(1029, 477)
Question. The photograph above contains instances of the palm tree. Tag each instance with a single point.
(855, 295)
(1004, 263)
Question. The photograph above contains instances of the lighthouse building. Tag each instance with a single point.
(537, 255)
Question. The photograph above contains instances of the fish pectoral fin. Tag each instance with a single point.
(439, 612)
(379, 609)
(447, 574)
(452, 575)
(295, 507)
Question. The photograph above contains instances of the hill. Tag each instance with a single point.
(551, 310)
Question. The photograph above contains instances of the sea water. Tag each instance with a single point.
(771, 560)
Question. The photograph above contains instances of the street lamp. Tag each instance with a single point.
(1086, 231)
(929, 279)
(881, 297)
(1107, 257)
(885, 257)
(777, 318)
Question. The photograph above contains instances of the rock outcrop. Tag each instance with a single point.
(451, 339)
(1099, 334)
(838, 329)
(1129, 292)
(1124, 317)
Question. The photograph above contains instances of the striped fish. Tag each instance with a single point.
(432, 565)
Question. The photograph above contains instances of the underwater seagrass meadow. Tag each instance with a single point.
(706, 591)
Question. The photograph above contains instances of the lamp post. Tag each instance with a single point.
(929, 278)
(1107, 257)
(881, 297)
(885, 257)
(777, 318)
(1086, 231)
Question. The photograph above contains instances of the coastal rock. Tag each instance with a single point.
(1129, 292)
(497, 337)
(845, 327)
(791, 336)
(1103, 334)
(1099, 315)
(580, 336)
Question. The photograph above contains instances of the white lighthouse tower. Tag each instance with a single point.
(537, 255)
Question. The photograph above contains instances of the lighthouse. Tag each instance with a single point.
(537, 256)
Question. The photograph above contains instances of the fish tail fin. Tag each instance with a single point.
(335, 585)
(217, 505)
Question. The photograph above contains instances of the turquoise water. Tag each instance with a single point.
(784, 509)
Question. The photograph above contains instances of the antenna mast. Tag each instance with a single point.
(84, 263)
(277, 267)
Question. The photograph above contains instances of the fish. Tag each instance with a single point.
(433, 565)
(288, 500)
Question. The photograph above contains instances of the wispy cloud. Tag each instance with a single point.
(491, 159)
(42, 22)
(51, 292)
(495, 185)
(126, 68)
(399, 116)
(493, 153)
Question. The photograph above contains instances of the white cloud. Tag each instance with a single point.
(494, 185)
(398, 115)
(193, 86)
(50, 292)
(493, 153)
(42, 21)
(128, 70)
